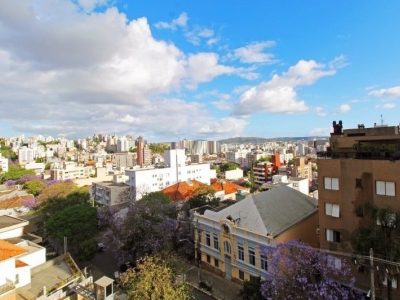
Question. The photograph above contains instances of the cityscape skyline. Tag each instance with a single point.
(171, 70)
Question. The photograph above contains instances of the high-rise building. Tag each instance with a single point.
(26, 155)
(140, 151)
(122, 144)
(360, 167)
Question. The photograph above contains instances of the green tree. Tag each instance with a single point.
(228, 166)
(203, 195)
(15, 172)
(153, 279)
(251, 289)
(59, 190)
(55, 204)
(158, 197)
(158, 148)
(7, 152)
(34, 187)
(79, 224)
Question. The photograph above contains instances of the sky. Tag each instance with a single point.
(206, 69)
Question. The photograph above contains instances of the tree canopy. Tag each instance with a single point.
(153, 279)
(34, 187)
(158, 148)
(14, 173)
(228, 166)
(203, 195)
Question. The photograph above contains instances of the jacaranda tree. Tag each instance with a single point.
(297, 271)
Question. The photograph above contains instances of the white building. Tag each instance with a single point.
(122, 144)
(3, 164)
(146, 180)
(233, 174)
(70, 171)
(26, 155)
(37, 167)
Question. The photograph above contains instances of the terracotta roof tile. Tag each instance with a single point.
(20, 264)
(8, 250)
(227, 187)
(182, 191)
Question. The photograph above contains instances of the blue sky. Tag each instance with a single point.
(197, 69)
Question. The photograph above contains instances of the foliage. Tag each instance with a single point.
(263, 159)
(153, 279)
(296, 271)
(132, 149)
(29, 202)
(229, 166)
(47, 166)
(158, 148)
(15, 173)
(203, 195)
(34, 187)
(148, 227)
(58, 190)
(79, 224)
(157, 197)
(7, 152)
(56, 204)
(251, 289)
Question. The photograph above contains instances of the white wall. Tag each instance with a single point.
(35, 258)
(234, 174)
(24, 274)
(11, 233)
(7, 268)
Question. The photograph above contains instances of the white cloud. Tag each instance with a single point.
(279, 94)
(320, 111)
(254, 53)
(62, 69)
(388, 105)
(344, 108)
(198, 34)
(392, 92)
(90, 5)
(180, 21)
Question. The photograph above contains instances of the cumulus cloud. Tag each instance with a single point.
(63, 69)
(180, 21)
(254, 53)
(320, 111)
(344, 108)
(392, 92)
(279, 94)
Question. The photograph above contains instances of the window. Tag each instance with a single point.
(241, 275)
(208, 258)
(334, 262)
(332, 210)
(216, 262)
(227, 247)
(215, 238)
(252, 257)
(240, 253)
(264, 263)
(332, 236)
(359, 183)
(108, 290)
(331, 183)
(385, 188)
(208, 239)
(394, 282)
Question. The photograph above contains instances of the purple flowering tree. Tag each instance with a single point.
(297, 271)
(29, 202)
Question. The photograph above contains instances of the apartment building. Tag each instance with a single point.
(26, 155)
(361, 166)
(230, 242)
(3, 164)
(109, 193)
(70, 171)
(124, 160)
(302, 167)
(151, 179)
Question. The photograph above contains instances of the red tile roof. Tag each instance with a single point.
(182, 191)
(8, 250)
(20, 264)
(226, 186)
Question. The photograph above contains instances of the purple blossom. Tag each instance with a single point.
(29, 202)
(27, 178)
(10, 183)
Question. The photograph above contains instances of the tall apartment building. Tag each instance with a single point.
(69, 171)
(145, 180)
(361, 166)
(140, 151)
(302, 167)
(124, 160)
(26, 155)
(122, 144)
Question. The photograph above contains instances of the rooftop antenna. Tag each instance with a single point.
(381, 120)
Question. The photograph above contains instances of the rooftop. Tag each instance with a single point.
(8, 221)
(8, 250)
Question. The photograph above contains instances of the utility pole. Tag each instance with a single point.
(371, 263)
(65, 245)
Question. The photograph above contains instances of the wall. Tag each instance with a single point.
(11, 233)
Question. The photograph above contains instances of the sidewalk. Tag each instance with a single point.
(221, 288)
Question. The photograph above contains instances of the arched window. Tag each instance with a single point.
(227, 247)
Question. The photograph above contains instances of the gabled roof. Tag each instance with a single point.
(226, 186)
(271, 212)
(181, 191)
(8, 250)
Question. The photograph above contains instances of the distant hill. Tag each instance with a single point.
(260, 140)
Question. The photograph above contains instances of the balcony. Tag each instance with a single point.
(5, 288)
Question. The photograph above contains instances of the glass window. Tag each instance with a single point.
(208, 239)
(241, 275)
(332, 235)
(227, 247)
(215, 238)
(216, 262)
(208, 258)
(331, 183)
(240, 253)
(252, 257)
(332, 210)
(264, 263)
(385, 188)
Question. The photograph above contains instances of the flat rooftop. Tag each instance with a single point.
(53, 274)
(7, 221)
(111, 184)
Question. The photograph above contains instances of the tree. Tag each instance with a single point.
(153, 279)
(158, 148)
(203, 195)
(228, 166)
(58, 190)
(251, 289)
(15, 173)
(381, 232)
(297, 271)
(55, 204)
(34, 187)
(79, 224)
(158, 197)
(7, 152)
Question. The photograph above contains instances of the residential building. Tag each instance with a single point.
(26, 155)
(122, 144)
(225, 190)
(196, 158)
(230, 242)
(110, 193)
(302, 167)
(70, 171)
(151, 179)
(37, 167)
(233, 174)
(140, 151)
(124, 160)
(299, 184)
(360, 167)
(263, 172)
(3, 164)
